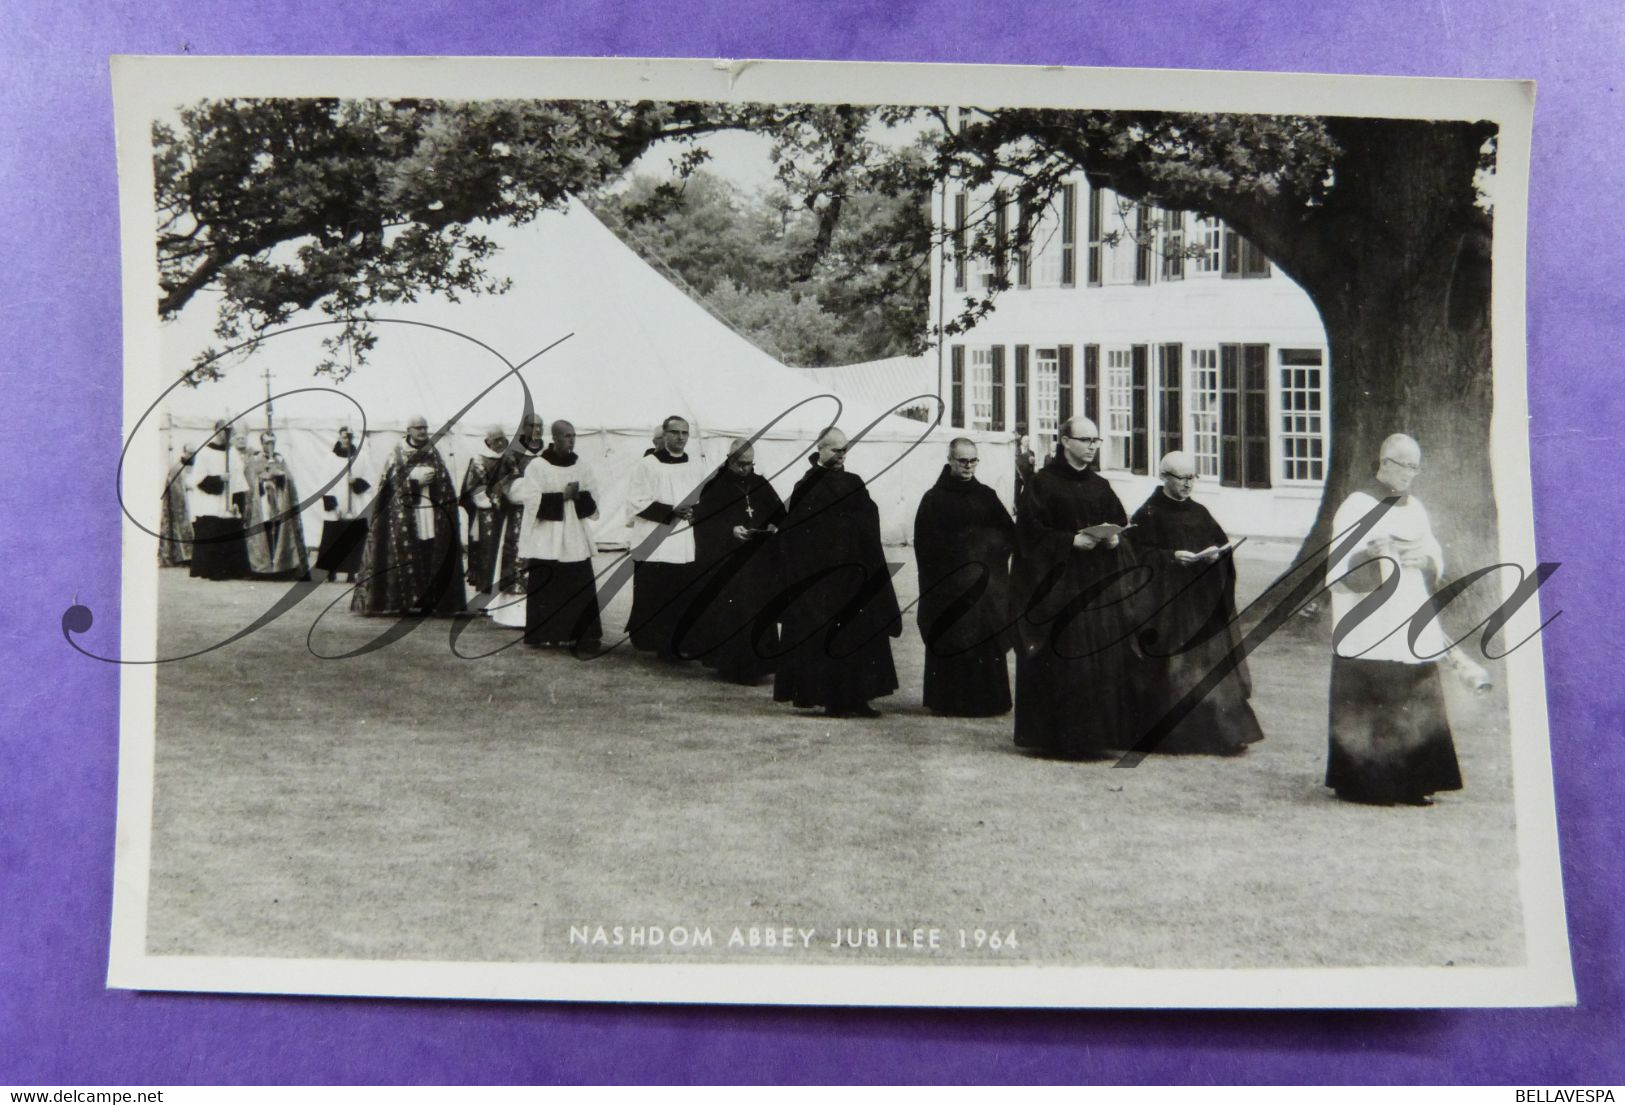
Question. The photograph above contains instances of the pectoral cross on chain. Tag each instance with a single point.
(749, 513)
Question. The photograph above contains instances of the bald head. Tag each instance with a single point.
(1079, 426)
(741, 456)
(564, 436)
(1177, 463)
(532, 430)
(962, 459)
(1080, 441)
(1401, 447)
(832, 447)
(1178, 472)
(1399, 460)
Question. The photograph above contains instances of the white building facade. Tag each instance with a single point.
(1168, 330)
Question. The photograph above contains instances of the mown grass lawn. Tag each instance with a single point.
(412, 804)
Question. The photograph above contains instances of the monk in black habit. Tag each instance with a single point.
(963, 538)
(841, 605)
(729, 626)
(1073, 583)
(1189, 628)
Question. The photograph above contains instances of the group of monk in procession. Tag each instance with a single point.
(1124, 628)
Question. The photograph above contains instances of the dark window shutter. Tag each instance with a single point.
(1024, 255)
(998, 387)
(1232, 252)
(960, 259)
(1091, 384)
(1069, 235)
(1255, 384)
(1001, 238)
(1170, 394)
(1063, 384)
(957, 399)
(1139, 437)
(1095, 220)
(1254, 263)
(1230, 473)
(1142, 244)
(1023, 416)
(1173, 245)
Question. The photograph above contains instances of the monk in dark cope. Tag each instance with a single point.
(413, 562)
(1189, 631)
(963, 538)
(841, 608)
(1073, 581)
(729, 626)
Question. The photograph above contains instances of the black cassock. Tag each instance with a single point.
(1188, 633)
(841, 607)
(963, 538)
(1075, 618)
(729, 626)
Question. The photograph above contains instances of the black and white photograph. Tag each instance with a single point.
(855, 534)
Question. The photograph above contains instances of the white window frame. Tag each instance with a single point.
(1202, 410)
(1117, 407)
(1209, 234)
(1302, 426)
(1046, 393)
(979, 387)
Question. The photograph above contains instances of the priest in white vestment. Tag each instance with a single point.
(559, 500)
(216, 493)
(660, 499)
(1390, 738)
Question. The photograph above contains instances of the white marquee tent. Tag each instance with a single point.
(624, 349)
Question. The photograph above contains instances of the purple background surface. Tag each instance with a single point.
(59, 441)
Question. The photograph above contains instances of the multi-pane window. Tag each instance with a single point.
(1119, 413)
(1303, 423)
(1210, 237)
(1051, 268)
(1204, 407)
(1046, 394)
(1173, 245)
(980, 389)
(1242, 258)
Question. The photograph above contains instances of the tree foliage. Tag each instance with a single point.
(809, 291)
(343, 205)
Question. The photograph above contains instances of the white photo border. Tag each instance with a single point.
(146, 88)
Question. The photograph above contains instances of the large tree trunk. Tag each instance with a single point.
(1399, 271)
